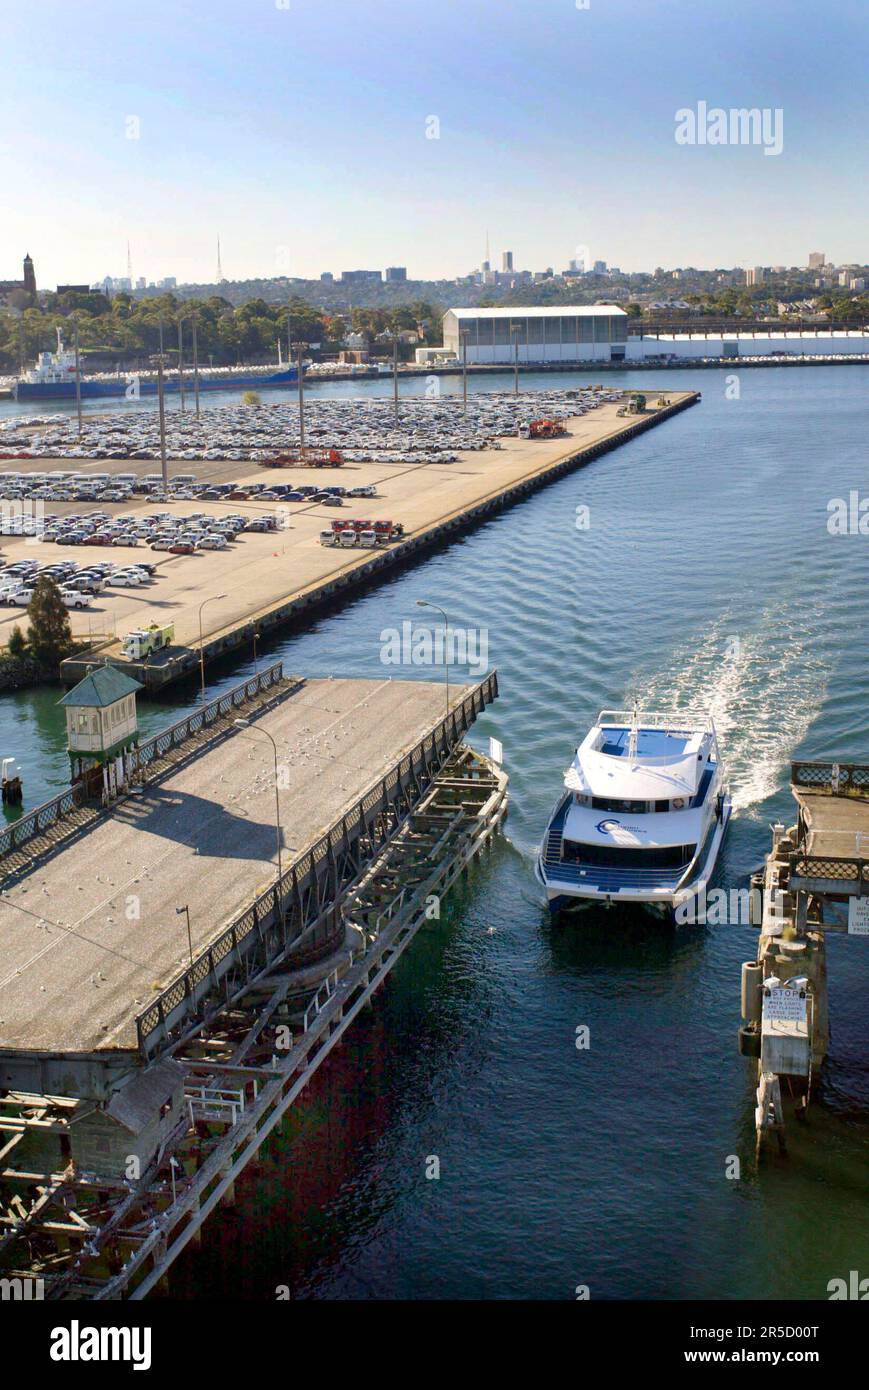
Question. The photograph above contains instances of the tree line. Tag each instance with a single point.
(131, 330)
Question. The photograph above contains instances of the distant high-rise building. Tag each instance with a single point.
(754, 276)
(327, 278)
(140, 283)
(167, 283)
(600, 267)
(816, 260)
(395, 272)
(351, 276)
(506, 260)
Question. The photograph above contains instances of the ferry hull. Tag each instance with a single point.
(90, 389)
(562, 896)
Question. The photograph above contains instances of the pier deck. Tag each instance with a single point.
(836, 827)
(87, 937)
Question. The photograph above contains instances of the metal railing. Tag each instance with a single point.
(35, 822)
(839, 779)
(247, 928)
(203, 717)
(831, 868)
(40, 819)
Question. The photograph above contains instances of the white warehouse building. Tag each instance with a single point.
(600, 333)
(585, 333)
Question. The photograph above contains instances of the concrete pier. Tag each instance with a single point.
(285, 577)
(91, 935)
(815, 880)
(102, 1187)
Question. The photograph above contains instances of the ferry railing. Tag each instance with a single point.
(42, 817)
(155, 1022)
(657, 719)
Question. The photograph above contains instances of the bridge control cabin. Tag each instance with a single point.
(101, 724)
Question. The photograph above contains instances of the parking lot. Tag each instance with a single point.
(428, 429)
(258, 569)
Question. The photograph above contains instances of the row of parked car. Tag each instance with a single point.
(61, 485)
(345, 534)
(78, 584)
(427, 429)
(160, 530)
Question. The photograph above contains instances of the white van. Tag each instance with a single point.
(346, 538)
(328, 537)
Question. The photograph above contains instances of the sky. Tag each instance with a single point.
(314, 135)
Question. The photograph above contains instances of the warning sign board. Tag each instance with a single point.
(858, 916)
(784, 1006)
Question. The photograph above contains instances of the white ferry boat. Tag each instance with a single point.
(643, 814)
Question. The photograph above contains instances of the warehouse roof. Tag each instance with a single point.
(519, 311)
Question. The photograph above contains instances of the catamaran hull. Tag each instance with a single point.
(562, 897)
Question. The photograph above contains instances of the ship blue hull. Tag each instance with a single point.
(65, 390)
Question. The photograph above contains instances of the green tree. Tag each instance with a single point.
(251, 398)
(17, 643)
(50, 636)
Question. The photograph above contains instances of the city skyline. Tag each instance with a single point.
(234, 129)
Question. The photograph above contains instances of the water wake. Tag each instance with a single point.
(764, 689)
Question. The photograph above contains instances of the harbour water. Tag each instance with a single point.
(706, 574)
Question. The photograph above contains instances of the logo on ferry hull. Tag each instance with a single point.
(608, 827)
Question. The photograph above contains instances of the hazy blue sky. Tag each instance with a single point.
(299, 134)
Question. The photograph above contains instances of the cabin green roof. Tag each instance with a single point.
(102, 687)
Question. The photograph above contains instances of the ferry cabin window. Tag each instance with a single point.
(628, 857)
(607, 803)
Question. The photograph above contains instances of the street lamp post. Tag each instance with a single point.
(299, 348)
(158, 359)
(395, 376)
(186, 910)
(424, 603)
(255, 729)
(212, 598)
(515, 331)
(181, 361)
(195, 367)
(77, 373)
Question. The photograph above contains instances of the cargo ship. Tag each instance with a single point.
(53, 379)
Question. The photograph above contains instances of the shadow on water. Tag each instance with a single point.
(616, 940)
